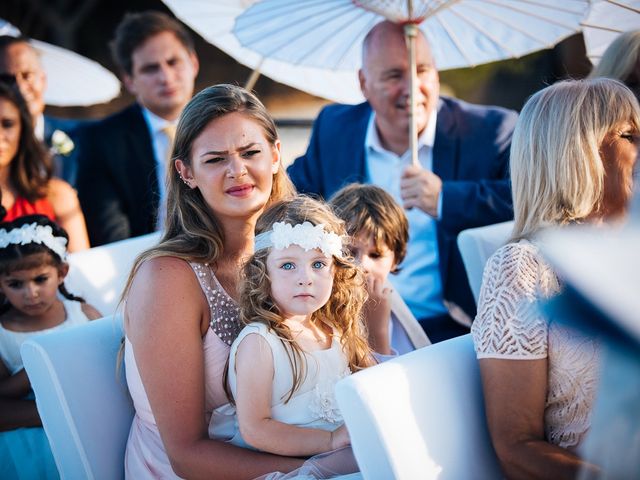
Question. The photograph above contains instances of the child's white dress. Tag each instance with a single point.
(313, 404)
(25, 452)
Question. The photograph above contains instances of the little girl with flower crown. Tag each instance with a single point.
(32, 271)
(301, 301)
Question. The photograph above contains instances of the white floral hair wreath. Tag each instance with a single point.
(305, 235)
(34, 233)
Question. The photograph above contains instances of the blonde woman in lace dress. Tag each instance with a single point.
(181, 313)
(572, 158)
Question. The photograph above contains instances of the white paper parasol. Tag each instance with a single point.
(605, 21)
(71, 78)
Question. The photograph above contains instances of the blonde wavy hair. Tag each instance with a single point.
(620, 59)
(192, 231)
(341, 315)
(557, 172)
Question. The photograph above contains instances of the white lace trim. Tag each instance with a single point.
(508, 321)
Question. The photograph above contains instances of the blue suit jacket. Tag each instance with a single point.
(117, 180)
(470, 155)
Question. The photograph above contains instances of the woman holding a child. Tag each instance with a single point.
(181, 301)
(181, 312)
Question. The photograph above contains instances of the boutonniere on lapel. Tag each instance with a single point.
(61, 144)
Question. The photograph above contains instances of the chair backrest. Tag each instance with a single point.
(100, 273)
(82, 399)
(420, 415)
(476, 245)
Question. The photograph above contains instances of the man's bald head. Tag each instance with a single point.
(385, 79)
(382, 32)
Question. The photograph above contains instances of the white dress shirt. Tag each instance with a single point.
(418, 281)
(161, 150)
(38, 128)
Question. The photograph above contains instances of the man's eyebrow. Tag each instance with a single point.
(149, 65)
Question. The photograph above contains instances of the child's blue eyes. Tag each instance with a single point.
(290, 265)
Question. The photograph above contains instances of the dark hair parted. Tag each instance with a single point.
(341, 316)
(369, 210)
(136, 28)
(31, 169)
(192, 231)
(15, 257)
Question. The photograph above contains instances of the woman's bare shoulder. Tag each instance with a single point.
(63, 198)
(166, 287)
(165, 273)
(59, 189)
(165, 264)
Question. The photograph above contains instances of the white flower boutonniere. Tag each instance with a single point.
(61, 144)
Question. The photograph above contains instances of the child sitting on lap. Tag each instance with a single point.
(380, 231)
(301, 301)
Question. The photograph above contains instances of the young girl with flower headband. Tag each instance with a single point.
(33, 266)
(301, 302)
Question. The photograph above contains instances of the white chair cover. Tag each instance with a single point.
(420, 416)
(100, 273)
(477, 245)
(82, 397)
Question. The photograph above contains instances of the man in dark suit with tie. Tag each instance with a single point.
(20, 63)
(462, 180)
(123, 158)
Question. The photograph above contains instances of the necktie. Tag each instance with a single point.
(169, 131)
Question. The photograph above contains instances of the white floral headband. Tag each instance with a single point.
(305, 235)
(34, 233)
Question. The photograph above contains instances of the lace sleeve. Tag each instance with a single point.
(508, 324)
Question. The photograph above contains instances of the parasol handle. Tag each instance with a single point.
(253, 78)
(410, 33)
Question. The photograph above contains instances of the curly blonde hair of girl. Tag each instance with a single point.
(341, 315)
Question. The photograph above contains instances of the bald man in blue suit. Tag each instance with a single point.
(462, 181)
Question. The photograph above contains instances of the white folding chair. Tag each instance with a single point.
(420, 415)
(100, 273)
(476, 245)
(82, 397)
